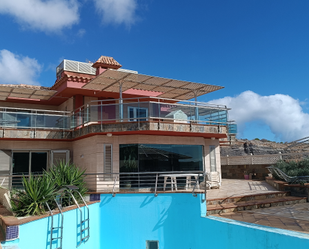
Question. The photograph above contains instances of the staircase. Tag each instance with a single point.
(249, 202)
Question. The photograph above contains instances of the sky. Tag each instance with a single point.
(258, 50)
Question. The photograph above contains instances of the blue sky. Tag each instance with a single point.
(258, 50)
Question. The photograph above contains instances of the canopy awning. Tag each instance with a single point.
(25, 92)
(111, 80)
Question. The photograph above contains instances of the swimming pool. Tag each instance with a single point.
(171, 220)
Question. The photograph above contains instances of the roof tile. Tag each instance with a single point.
(108, 62)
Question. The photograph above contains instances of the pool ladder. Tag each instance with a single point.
(84, 220)
(57, 228)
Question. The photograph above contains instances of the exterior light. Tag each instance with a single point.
(213, 138)
(109, 134)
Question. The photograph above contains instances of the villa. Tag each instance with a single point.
(109, 120)
(145, 148)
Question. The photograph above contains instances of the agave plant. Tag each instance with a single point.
(31, 201)
(64, 174)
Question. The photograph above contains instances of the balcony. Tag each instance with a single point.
(33, 123)
(149, 114)
(137, 116)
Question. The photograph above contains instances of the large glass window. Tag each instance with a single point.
(26, 163)
(137, 113)
(160, 157)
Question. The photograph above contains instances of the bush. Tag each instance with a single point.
(64, 174)
(31, 201)
(41, 189)
(293, 168)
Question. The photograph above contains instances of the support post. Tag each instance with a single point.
(196, 107)
(120, 102)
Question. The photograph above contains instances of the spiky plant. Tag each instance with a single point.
(64, 174)
(31, 201)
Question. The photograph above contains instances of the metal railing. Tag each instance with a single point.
(261, 159)
(130, 110)
(34, 118)
(150, 108)
(149, 182)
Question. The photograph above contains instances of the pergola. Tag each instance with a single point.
(120, 81)
(25, 92)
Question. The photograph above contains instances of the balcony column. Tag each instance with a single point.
(196, 108)
(120, 102)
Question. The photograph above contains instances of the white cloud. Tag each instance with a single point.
(43, 15)
(282, 113)
(117, 11)
(15, 69)
(81, 32)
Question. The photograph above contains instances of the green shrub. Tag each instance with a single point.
(64, 174)
(293, 168)
(31, 201)
(41, 189)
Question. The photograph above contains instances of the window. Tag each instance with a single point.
(137, 113)
(33, 162)
(212, 156)
(108, 161)
(152, 244)
(57, 156)
(160, 157)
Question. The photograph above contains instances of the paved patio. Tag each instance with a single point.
(293, 217)
(237, 187)
(290, 217)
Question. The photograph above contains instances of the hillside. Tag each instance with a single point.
(262, 147)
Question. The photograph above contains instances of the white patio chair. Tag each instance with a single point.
(213, 179)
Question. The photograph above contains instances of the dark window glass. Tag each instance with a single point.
(38, 162)
(160, 157)
(21, 163)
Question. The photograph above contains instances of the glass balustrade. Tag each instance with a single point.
(18, 118)
(112, 111)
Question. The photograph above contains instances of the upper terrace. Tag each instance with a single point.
(139, 116)
(121, 101)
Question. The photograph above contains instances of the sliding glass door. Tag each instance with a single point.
(29, 162)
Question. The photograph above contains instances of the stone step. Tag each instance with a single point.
(234, 199)
(254, 204)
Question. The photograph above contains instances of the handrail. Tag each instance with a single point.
(34, 110)
(156, 186)
(114, 194)
(167, 99)
(135, 181)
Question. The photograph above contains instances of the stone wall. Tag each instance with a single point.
(238, 171)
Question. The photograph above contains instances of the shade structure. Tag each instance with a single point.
(110, 81)
(25, 92)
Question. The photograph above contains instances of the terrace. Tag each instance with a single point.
(133, 115)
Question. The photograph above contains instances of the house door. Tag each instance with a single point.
(26, 163)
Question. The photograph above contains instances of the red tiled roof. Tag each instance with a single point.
(108, 62)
